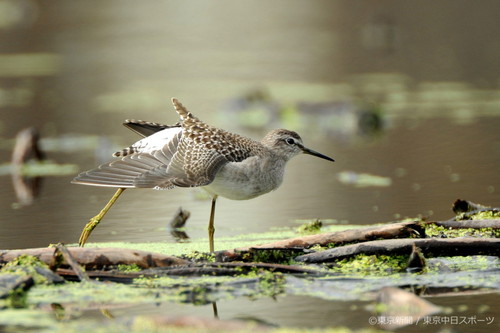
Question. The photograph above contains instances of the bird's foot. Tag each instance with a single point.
(87, 230)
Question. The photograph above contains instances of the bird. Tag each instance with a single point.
(192, 153)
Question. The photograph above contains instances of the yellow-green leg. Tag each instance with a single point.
(96, 219)
(211, 228)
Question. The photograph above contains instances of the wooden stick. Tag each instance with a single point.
(68, 258)
(394, 230)
(431, 247)
(474, 224)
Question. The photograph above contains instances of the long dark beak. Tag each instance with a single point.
(315, 153)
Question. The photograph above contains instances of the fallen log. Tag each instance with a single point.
(473, 224)
(95, 258)
(388, 231)
(431, 247)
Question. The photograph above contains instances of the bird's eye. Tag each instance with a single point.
(290, 141)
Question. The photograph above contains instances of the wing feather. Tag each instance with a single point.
(185, 155)
(160, 169)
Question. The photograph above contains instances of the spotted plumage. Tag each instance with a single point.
(192, 153)
(189, 153)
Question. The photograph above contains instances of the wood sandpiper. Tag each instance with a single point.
(192, 153)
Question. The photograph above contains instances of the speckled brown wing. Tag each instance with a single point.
(186, 157)
(184, 161)
(204, 149)
(144, 169)
(196, 162)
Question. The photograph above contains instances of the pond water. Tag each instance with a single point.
(75, 71)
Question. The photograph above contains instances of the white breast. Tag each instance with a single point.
(246, 180)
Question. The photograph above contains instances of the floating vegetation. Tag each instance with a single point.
(311, 227)
(351, 264)
(371, 264)
(363, 179)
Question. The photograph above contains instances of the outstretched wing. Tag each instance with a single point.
(186, 155)
(148, 165)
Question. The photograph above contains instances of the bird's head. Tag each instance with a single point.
(289, 144)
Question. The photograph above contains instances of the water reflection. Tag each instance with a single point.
(26, 148)
(28, 166)
(177, 224)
